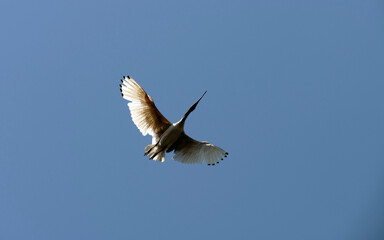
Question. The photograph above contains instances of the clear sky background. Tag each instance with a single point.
(295, 95)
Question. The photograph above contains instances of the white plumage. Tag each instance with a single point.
(166, 136)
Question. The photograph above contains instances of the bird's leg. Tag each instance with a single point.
(158, 153)
(149, 150)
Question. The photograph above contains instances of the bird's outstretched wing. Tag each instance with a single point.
(189, 150)
(145, 114)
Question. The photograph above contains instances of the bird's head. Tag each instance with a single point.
(193, 107)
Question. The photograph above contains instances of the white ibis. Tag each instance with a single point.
(166, 136)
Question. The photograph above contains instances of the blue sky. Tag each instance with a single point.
(295, 95)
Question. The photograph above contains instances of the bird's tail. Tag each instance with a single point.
(155, 153)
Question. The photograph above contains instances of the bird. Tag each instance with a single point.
(166, 136)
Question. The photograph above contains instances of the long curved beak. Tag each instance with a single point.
(200, 98)
(195, 104)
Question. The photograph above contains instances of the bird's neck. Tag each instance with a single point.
(180, 123)
(182, 120)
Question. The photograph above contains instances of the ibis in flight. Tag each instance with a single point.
(166, 136)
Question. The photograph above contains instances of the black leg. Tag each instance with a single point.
(158, 153)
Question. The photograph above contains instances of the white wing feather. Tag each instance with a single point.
(145, 115)
(189, 150)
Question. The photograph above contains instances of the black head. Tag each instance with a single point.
(193, 106)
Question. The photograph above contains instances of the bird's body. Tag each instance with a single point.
(166, 142)
(166, 136)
